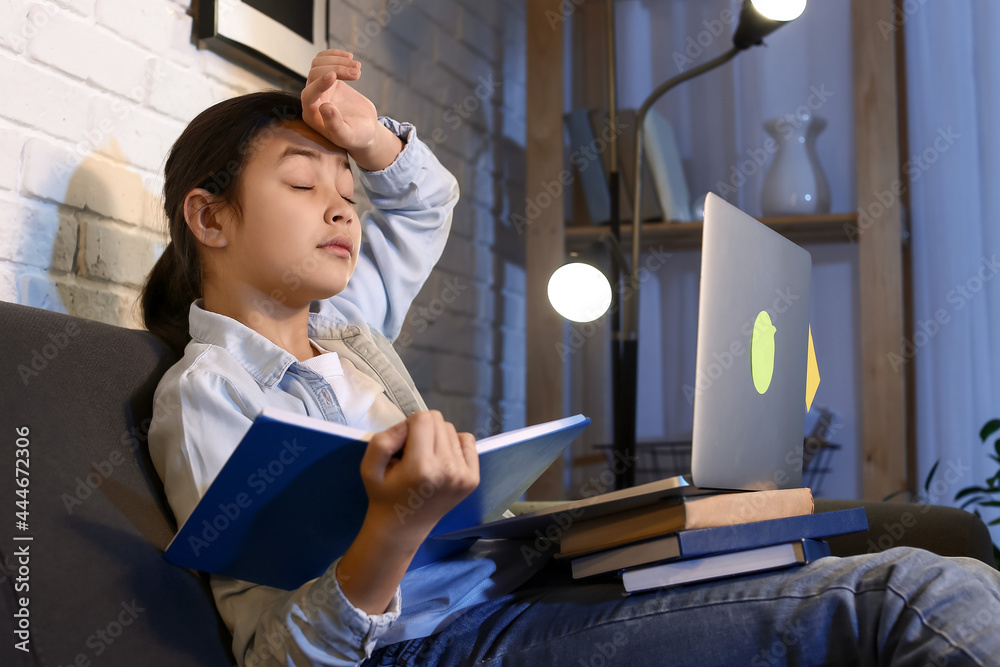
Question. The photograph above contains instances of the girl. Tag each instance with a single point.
(274, 300)
(269, 291)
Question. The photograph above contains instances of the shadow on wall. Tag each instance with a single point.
(105, 243)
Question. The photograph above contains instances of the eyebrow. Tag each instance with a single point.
(291, 151)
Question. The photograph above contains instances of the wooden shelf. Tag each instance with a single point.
(831, 228)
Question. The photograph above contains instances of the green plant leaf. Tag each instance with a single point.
(969, 490)
(990, 503)
(995, 522)
(991, 427)
(930, 475)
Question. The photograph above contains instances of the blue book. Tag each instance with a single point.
(707, 541)
(729, 564)
(290, 500)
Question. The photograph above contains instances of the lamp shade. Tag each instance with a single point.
(579, 292)
(759, 18)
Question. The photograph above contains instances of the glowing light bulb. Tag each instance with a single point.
(780, 10)
(579, 292)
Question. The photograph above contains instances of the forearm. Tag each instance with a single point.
(374, 564)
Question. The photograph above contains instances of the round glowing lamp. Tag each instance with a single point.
(780, 10)
(579, 292)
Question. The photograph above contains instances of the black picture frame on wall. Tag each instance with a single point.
(278, 35)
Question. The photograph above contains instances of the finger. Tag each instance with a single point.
(441, 446)
(420, 440)
(469, 452)
(326, 61)
(322, 79)
(326, 53)
(381, 449)
(454, 446)
(344, 70)
(315, 88)
(332, 119)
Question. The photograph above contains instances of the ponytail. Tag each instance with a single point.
(170, 288)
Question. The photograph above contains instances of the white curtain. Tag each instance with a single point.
(953, 63)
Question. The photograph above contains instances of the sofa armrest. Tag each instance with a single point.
(946, 531)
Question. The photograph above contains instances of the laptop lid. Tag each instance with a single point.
(753, 328)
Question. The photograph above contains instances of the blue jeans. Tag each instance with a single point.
(903, 606)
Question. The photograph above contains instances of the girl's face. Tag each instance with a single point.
(299, 236)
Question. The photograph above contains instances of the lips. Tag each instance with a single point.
(342, 246)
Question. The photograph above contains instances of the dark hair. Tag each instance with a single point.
(210, 153)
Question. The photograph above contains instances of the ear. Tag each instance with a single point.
(202, 219)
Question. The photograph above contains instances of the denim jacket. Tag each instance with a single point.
(206, 402)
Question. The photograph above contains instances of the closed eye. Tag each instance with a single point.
(310, 187)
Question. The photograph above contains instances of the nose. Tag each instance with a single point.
(340, 212)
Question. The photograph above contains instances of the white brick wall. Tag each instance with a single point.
(96, 91)
(12, 22)
(86, 50)
(46, 99)
(10, 158)
(94, 94)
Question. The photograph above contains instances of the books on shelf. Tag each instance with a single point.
(296, 480)
(665, 192)
(728, 564)
(660, 145)
(592, 179)
(599, 121)
(707, 541)
(685, 513)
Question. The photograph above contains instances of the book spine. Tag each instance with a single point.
(719, 566)
(621, 528)
(762, 533)
(739, 508)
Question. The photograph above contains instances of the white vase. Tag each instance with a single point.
(795, 184)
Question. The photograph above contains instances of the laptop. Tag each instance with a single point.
(753, 335)
(750, 387)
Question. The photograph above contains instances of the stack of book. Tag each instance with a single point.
(701, 537)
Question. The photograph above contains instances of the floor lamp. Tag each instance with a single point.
(758, 18)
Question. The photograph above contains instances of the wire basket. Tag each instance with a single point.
(657, 459)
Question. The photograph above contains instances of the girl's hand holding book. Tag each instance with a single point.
(343, 115)
(413, 473)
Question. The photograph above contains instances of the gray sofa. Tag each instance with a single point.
(99, 591)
